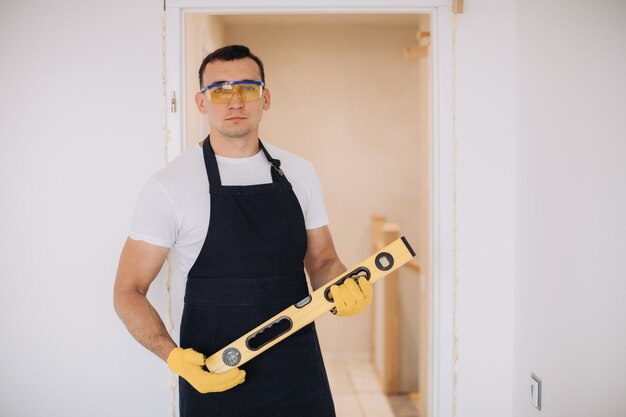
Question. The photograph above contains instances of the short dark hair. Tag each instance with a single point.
(230, 53)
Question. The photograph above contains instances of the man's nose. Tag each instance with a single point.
(235, 100)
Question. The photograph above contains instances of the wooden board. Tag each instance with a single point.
(457, 6)
(293, 318)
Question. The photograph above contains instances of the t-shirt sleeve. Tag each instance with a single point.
(316, 215)
(154, 218)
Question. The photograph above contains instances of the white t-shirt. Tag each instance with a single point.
(173, 210)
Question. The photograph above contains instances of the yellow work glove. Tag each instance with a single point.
(351, 297)
(189, 364)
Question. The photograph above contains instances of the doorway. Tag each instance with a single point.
(350, 93)
(437, 399)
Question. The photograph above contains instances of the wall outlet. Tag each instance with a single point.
(535, 391)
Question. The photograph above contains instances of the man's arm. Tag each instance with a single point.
(323, 264)
(321, 261)
(140, 262)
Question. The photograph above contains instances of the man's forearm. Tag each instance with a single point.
(326, 272)
(143, 322)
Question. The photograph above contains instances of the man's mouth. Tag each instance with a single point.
(235, 118)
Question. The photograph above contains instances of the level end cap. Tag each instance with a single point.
(406, 243)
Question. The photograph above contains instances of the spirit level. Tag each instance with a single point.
(295, 317)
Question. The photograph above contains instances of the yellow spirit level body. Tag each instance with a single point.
(295, 317)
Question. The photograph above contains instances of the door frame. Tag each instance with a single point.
(441, 390)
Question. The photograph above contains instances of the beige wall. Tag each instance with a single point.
(345, 98)
(203, 34)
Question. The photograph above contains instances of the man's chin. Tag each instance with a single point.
(236, 133)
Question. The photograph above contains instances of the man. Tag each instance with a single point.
(243, 236)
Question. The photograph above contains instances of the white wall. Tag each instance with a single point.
(486, 207)
(81, 121)
(570, 314)
(540, 207)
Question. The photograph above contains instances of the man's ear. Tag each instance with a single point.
(266, 99)
(201, 103)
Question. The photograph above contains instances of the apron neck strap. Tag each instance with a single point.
(277, 174)
(213, 172)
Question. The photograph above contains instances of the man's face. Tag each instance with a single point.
(235, 119)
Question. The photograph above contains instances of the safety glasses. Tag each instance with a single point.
(221, 93)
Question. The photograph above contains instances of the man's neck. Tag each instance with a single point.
(230, 147)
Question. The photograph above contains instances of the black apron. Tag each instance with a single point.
(250, 268)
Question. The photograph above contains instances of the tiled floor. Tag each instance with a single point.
(404, 406)
(356, 390)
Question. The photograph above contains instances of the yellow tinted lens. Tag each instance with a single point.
(247, 92)
(221, 94)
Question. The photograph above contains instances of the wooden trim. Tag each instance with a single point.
(413, 52)
(389, 346)
(414, 266)
(423, 34)
(457, 6)
(378, 222)
(391, 340)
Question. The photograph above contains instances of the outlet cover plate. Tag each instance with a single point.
(535, 391)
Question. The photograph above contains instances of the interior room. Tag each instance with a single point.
(526, 166)
(351, 94)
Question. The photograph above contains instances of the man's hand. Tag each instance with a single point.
(352, 296)
(188, 364)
